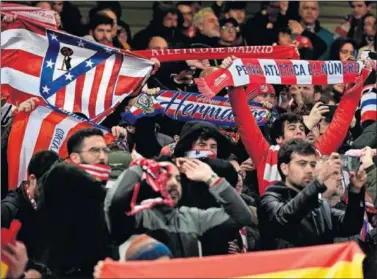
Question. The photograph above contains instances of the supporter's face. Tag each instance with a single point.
(309, 12)
(359, 9)
(299, 171)
(347, 52)
(170, 20)
(307, 94)
(238, 15)
(187, 13)
(93, 151)
(102, 34)
(273, 8)
(122, 36)
(57, 6)
(284, 39)
(201, 144)
(292, 131)
(113, 16)
(210, 26)
(173, 186)
(271, 98)
(313, 135)
(228, 33)
(323, 125)
(158, 43)
(44, 5)
(370, 26)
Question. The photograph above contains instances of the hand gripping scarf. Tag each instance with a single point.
(276, 71)
(156, 177)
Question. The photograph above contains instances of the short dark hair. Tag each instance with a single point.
(234, 5)
(299, 146)
(75, 141)
(41, 162)
(206, 134)
(277, 127)
(99, 19)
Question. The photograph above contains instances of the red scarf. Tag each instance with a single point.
(166, 55)
(272, 71)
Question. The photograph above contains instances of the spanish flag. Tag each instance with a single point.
(328, 261)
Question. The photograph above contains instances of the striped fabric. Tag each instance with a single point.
(67, 71)
(98, 171)
(327, 261)
(44, 17)
(369, 103)
(279, 71)
(42, 129)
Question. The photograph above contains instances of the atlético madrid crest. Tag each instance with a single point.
(67, 58)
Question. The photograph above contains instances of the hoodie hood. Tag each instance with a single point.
(191, 132)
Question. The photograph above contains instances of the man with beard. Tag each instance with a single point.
(88, 146)
(291, 213)
(179, 227)
(71, 203)
(100, 29)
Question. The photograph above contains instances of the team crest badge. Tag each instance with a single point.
(145, 103)
(67, 58)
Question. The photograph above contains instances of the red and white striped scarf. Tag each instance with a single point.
(98, 171)
(275, 71)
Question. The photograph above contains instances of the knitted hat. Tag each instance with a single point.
(144, 248)
(253, 90)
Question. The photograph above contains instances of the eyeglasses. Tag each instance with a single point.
(230, 28)
(96, 150)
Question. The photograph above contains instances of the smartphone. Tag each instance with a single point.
(350, 163)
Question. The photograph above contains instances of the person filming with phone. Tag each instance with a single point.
(291, 212)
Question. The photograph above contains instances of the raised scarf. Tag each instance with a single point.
(167, 55)
(276, 71)
(186, 106)
(156, 178)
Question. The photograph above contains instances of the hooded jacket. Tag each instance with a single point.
(191, 132)
(179, 227)
(289, 218)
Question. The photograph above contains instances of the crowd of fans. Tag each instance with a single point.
(243, 189)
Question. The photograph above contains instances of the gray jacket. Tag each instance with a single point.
(178, 228)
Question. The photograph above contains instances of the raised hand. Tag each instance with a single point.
(331, 166)
(118, 132)
(28, 105)
(358, 179)
(194, 169)
(316, 115)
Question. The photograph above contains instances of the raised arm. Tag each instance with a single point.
(252, 138)
(333, 138)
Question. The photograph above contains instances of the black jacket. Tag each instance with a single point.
(76, 237)
(288, 218)
(16, 205)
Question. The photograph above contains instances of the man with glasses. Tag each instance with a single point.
(229, 29)
(88, 146)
